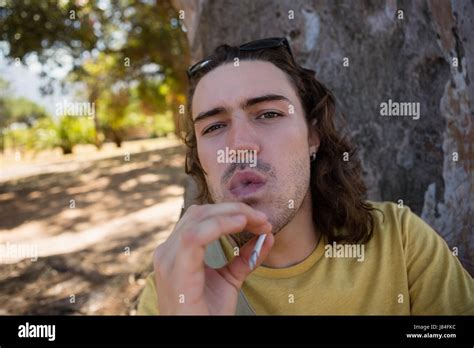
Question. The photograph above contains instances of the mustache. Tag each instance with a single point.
(261, 166)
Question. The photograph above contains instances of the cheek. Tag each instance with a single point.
(290, 141)
(290, 152)
(208, 158)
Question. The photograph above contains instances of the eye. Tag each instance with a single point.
(269, 115)
(212, 128)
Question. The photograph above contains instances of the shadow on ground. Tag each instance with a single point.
(103, 278)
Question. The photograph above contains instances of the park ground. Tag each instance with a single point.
(94, 219)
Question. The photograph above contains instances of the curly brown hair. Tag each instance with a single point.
(338, 190)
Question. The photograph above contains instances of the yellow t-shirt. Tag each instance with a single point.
(406, 268)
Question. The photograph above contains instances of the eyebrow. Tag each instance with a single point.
(246, 104)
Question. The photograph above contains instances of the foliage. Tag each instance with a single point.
(124, 53)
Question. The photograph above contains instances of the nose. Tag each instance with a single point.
(242, 135)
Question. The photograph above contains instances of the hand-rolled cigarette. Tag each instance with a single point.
(256, 251)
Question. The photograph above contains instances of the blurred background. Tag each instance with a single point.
(91, 169)
(91, 93)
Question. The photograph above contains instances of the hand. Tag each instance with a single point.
(184, 283)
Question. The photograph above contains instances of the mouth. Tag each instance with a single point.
(246, 183)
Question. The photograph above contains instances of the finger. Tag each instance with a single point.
(199, 232)
(238, 269)
(227, 208)
(213, 228)
(198, 213)
(192, 248)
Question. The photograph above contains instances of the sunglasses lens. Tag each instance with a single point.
(262, 44)
(192, 70)
(249, 46)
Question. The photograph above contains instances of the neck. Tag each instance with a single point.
(296, 241)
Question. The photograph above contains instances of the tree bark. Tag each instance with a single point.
(98, 141)
(426, 163)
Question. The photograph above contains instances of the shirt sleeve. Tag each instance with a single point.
(438, 283)
(148, 302)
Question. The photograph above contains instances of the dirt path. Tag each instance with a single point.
(93, 223)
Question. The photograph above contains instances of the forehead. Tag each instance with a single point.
(228, 85)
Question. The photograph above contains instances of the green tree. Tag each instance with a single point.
(22, 110)
(125, 43)
(72, 130)
(24, 114)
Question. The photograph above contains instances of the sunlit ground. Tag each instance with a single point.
(94, 219)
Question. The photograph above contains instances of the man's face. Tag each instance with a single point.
(274, 129)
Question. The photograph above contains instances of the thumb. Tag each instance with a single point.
(238, 269)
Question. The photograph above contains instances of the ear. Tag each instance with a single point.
(313, 138)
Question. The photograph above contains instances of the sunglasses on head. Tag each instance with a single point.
(251, 46)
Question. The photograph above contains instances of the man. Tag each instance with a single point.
(327, 250)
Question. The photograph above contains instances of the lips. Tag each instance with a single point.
(246, 183)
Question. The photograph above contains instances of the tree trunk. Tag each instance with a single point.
(422, 54)
(98, 141)
(2, 140)
(67, 149)
(116, 137)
